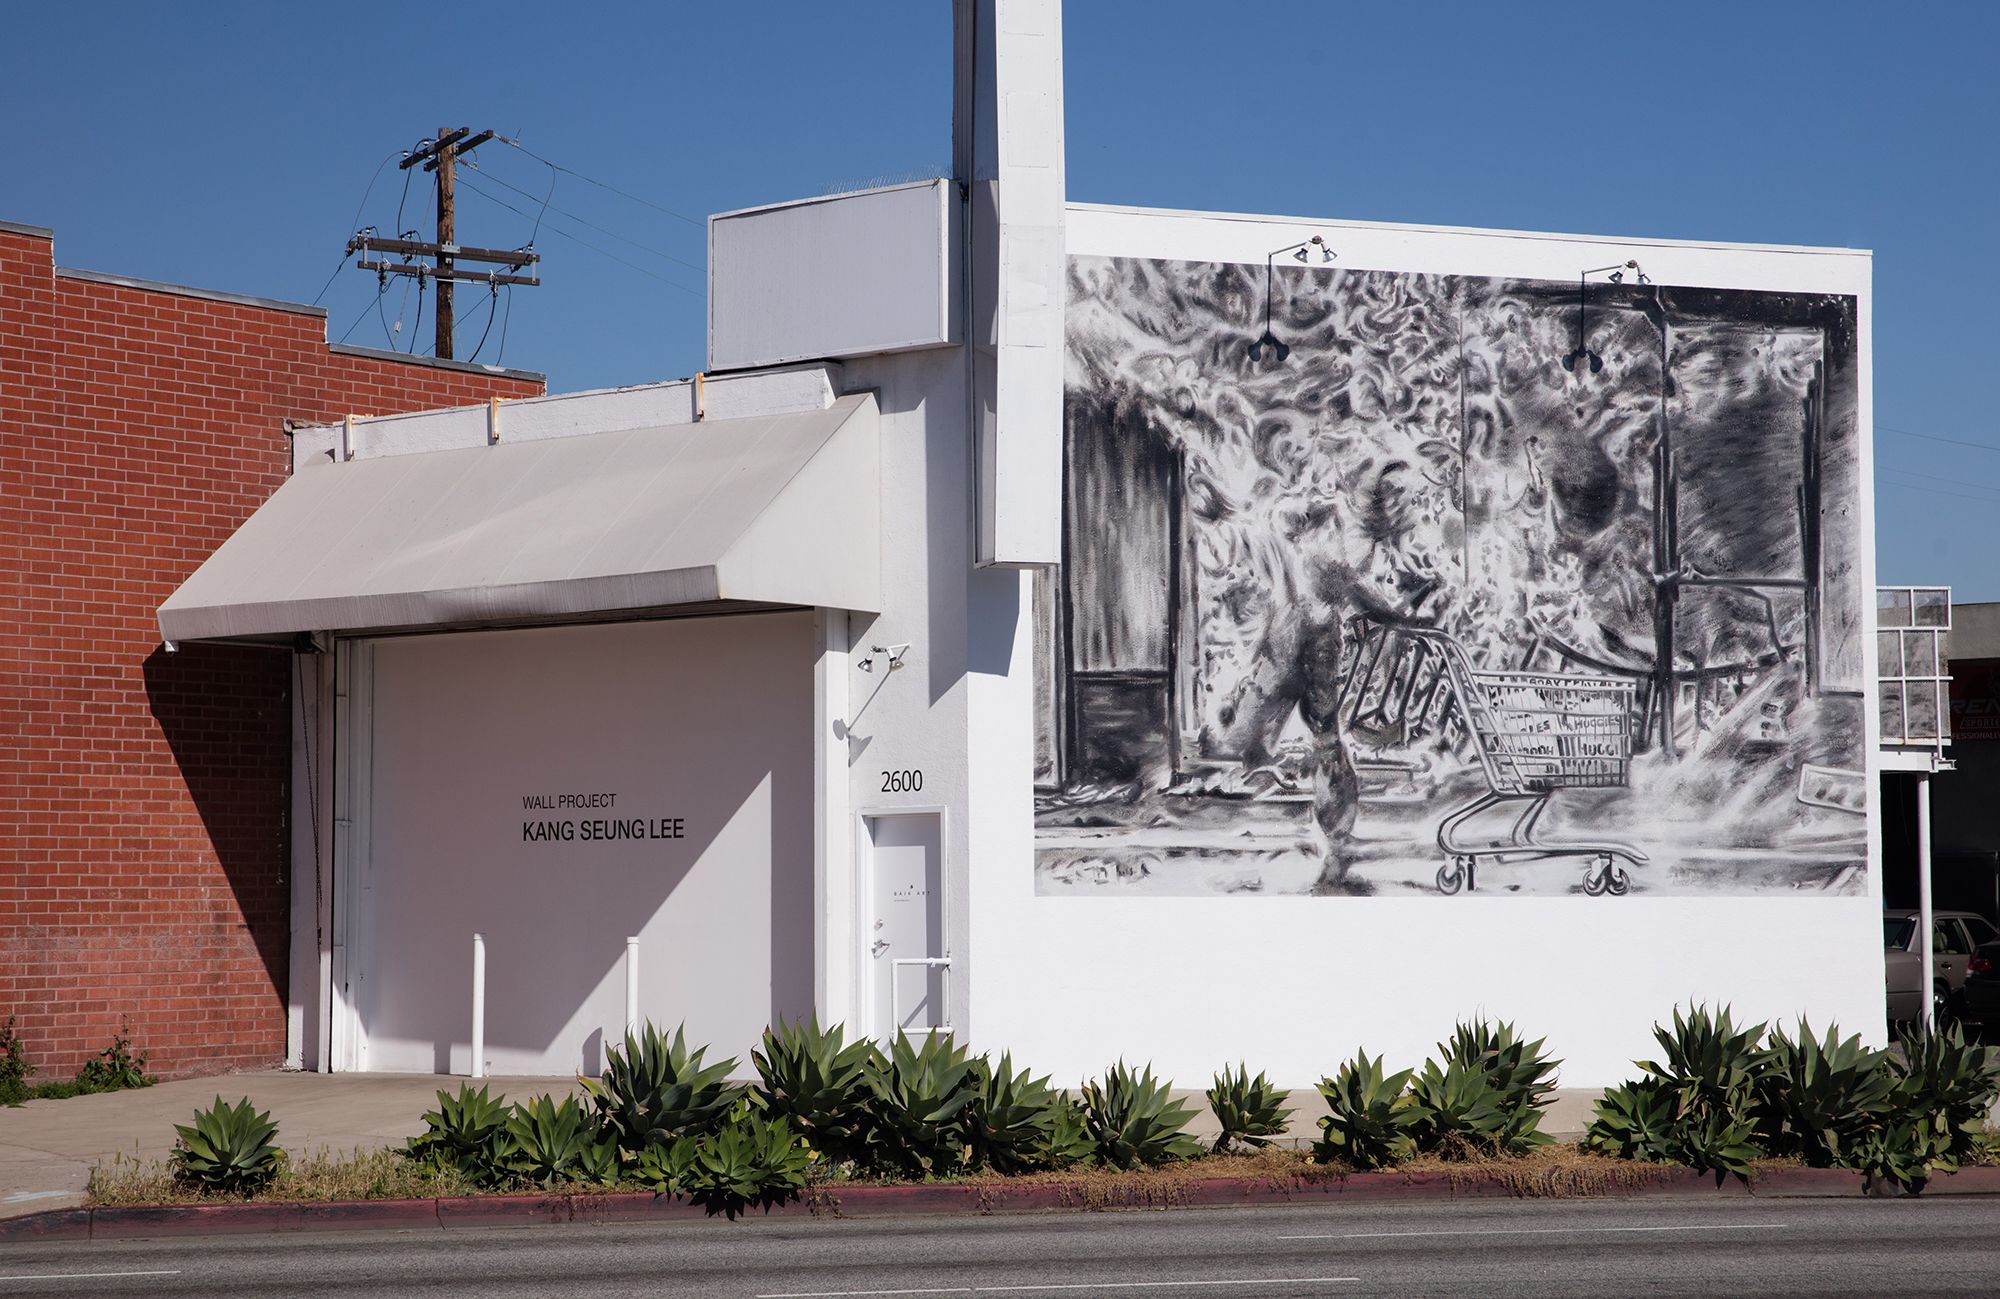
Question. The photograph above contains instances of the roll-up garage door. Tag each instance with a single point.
(558, 790)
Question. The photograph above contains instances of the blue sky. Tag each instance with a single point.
(229, 146)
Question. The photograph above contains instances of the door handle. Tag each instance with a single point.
(878, 947)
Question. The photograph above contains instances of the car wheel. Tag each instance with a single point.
(1943, 1011)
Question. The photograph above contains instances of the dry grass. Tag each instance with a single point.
(1553, 1172)
(316, 1175)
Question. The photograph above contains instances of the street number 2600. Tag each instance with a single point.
(902, 782)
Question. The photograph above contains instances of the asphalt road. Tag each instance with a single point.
(1538, 1248)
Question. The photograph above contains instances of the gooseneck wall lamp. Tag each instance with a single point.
(1300, 252)
(1581, 352)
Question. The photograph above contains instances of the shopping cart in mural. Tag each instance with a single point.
(1535, 733)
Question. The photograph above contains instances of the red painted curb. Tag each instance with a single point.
(363, 1215)
(641, 1206)
(57, 1224)
(194, 1220)
(501, 1210)
(889, 1201)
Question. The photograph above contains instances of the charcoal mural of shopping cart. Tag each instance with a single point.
(1535, 733)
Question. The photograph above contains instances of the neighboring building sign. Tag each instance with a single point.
(1975, 699)
(1381, 583)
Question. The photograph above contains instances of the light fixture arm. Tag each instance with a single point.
(1279, 348)
(1582, 349)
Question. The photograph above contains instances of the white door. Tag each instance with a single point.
(906, 957)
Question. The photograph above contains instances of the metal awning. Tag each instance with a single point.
(781, 510)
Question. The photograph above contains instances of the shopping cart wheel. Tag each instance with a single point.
(1451, 876)
(1617, 881)
(1597, 877)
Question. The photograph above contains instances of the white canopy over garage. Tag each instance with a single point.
(777, 510)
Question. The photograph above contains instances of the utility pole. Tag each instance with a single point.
(441, 155)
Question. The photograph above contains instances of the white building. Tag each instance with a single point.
(1107, 633)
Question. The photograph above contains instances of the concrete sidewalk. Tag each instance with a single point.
(47, 1148)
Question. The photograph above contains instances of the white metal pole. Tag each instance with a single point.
(1925, 927)
(631, 985)
(479, 1005)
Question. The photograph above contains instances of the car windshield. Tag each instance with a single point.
(1896, 931)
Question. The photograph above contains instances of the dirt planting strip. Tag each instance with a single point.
(1026, 1196)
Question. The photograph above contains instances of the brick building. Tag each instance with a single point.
(144, 795)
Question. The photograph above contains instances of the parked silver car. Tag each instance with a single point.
(1956, 936)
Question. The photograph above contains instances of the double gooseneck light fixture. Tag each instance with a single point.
(1300, 252)
(1581, 352)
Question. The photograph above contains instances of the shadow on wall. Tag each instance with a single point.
(224, 711)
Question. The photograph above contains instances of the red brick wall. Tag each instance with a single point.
(144, 797)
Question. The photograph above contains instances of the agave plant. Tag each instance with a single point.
(658, 1167)
(1944, 1088)
(1459, 1111)
(1817, 1097)
(228, 1149)
(921, 1095)
(550, 1142)
(1636, 1120)
(1719, 1141)
(749, 1162)
(1518, 1070)
(1517, 1073)
(656, 1090)
(1011, 1122)
(466, 1132)
(1712, 1065)
(818, 1084)
(1369, 1120)
(1249, 1110)
(1902, 1151)
(1069, 1141)
(1134, 1121)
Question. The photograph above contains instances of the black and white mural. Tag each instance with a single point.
(1439, 584)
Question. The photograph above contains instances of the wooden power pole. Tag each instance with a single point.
(443, 156)
(444, 253)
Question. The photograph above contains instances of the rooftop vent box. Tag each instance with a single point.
(846, 275)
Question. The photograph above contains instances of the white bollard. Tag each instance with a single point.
(631, 986)
(479, 1005)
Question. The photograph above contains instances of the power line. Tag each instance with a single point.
(506, 319)
(550, 207)
(556, 166)
(359, 208)
(362, 206)
(601, 252)
(385, 319)
(1934, 437)
(338, 267)
(492, 302)
(542, 212)
(364, 314)
(1936, 491)
(1940, 478)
